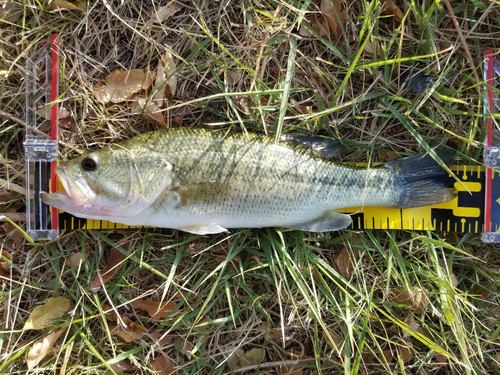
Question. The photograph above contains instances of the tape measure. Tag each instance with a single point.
(476, 209)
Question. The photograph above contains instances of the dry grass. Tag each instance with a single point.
(281, 291)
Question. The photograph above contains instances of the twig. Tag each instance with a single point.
(22, 123)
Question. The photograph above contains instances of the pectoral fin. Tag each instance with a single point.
(325, 223)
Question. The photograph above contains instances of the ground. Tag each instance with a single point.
(264, 301)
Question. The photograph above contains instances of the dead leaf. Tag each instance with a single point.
(5, 261)
(184, 346)
(168, 80)
(391, 9)
(344, 263)
(239, 359)
(165, 12)
(121, 85)
(156, 310)
(416, 299)
(42, 347)
(161, 340)
(124, 366)
(75, 260)
(332, 9)
(41, 317)
(13, 234)
(406, 353)
(67, 5)
(149, 110)
(10, 12)
(131, 332)
(110, 313)
(440, 358)
(163, 366)
(317, 23)
(115, 262)
(177, 121)
(284, 370)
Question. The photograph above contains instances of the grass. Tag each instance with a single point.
(409, 303)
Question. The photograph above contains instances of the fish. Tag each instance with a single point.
(205, 182)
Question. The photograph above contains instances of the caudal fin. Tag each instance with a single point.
(422, 180)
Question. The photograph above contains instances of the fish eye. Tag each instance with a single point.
(89, 163)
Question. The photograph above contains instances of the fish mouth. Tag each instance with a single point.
(76, 189)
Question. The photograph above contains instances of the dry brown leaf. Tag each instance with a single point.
(110, 313)
(114, 264)
(184, 346)
(12, 233)
(5, 260)
(318, 23)
(156, 310)
(41, 317)
(416, 299)
(165, 12)
(149, 110)
(168, 68)
(284, 370)
(75, 260)
(344, 263)
(66, 5)
(440, 358)
(124, 366)
(406, 353)
(161, 340)
(121, 85)
(239, 359)
(177, 121)
(42, 347)
(163, 365)
(391, 9)
(332, 9)
(131, 332)
(10, 12)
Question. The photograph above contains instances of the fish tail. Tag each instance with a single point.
(422, 181)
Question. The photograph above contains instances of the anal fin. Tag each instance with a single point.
(329, 221)
(203, 229)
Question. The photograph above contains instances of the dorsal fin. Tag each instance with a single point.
(326, 148)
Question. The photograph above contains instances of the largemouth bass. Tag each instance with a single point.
(204, 182)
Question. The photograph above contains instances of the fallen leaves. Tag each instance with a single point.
(75, 260)
(329, 21)
(391, 9)
(115, 262)
(42, 316)
(42, 347)
(10, 12)
(344, 263)
(165, 12)
(239, 359)
(5, 262)
(415, 299)
(332, 9)
(156, 310)
(163, 365)
(133, 85)
(65, 5)
(128, 330)
(120, 85)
